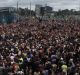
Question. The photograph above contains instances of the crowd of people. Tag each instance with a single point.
(37, 47)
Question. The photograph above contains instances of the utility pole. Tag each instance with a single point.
(17, 11)
(79, 6)
(46, 11)
(17, 6)
(30, 9)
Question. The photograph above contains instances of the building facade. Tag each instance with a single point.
(44, 12)
(7, 15)
(37, 10)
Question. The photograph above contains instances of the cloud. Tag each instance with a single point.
(56, 4)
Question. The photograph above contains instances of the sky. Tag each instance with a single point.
(56, 4)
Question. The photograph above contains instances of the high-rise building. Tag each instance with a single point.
(48, 9)
(7, 14)
(37, 10)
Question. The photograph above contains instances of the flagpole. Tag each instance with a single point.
(30, 9)
(17, 11)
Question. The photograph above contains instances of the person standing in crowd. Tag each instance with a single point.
(34, 47)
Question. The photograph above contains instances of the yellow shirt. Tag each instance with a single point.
(21, 59)
(64, 68)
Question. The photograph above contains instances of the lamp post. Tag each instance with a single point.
(30, 9)
(17, 11)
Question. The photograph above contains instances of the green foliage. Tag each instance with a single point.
(67, 12)
(25, 12)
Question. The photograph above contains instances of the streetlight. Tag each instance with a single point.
(30, 8)
(17, 11)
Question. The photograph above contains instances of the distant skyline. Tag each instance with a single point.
(56, 4)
